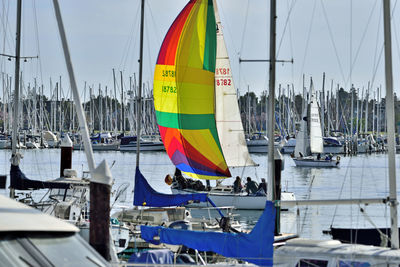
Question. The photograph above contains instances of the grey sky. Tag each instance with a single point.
(105, 34)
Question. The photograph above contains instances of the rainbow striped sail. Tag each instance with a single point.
(184, 96)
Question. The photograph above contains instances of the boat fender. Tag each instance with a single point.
(183, 225)
(168, 179)
(338, 158)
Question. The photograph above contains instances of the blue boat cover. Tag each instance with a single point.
(154, 256)
(255, 247)
(19, 181)
(145, 195)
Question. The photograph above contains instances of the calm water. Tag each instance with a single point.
(362, 176)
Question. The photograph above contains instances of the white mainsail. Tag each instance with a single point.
(229, 123)
(316, 142)
(302, 141)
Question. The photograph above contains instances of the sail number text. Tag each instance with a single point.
(168, 73)
(168, 89)
(222, 82)
(222, 71)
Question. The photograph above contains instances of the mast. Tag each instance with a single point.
(115, 101)
(139, 96)
(248, 110)
(271, 102)
(323, 105)
(337, 108)
(366, 109)
(122, 105)
(351, 112)
(390, 124)
(74, 88)
(100, 101)
(16, 81)
(357, 111)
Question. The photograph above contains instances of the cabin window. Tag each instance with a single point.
(312, 263)
(348, 263)
(12, 253)
(65, 250)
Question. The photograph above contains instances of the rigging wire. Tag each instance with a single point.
(308, 198)
(150, 60)
(333, 40)
(351, 48)
(244, 26)
(39, 60)
(361, 42)
(341, 190)
(128, 44)
(290, 9)
(291, 46)
(308, 39)
(6, 27)
(376, 62)
(242, 44)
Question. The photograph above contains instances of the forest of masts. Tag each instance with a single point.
(113, 109)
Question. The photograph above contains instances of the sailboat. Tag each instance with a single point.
(301, 252)
(197, 110)
(304, 252)
(309, 139)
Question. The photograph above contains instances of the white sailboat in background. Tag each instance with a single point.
(309, 140)
(307, 252)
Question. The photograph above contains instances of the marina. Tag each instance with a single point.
(366, 174)
(186, 164)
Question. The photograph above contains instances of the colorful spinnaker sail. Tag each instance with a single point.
(184, 93)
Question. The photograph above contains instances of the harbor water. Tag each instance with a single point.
(361, 176)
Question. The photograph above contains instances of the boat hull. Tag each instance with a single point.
(239, 201)
(98, 147)
(316, 163)
(146, 146)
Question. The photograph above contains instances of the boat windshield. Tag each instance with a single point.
(47, 249)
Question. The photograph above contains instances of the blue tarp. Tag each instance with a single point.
(145, 195)
(255, 247)
(155, 256)
(19, 181)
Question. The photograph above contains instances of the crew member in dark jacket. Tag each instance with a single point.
(251, 186)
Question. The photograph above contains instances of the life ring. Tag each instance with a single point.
(338, 158)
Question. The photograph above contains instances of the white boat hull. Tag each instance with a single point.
(146, 146)
(239, 201)
(98, 147)
(307, 162)
(257, 146)
(327, 149)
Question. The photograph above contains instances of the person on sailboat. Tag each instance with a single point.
(237, 185)
(251, 186)
(262, 187)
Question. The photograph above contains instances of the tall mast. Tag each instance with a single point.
(390, 124)
(139, 96)
(122, 105)
(323, 105)
(271, 102)
(366, 110)
(16, 81)
(351, 112)
(74, 88)
(115, 101)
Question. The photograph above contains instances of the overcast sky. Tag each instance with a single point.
(342, 38)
